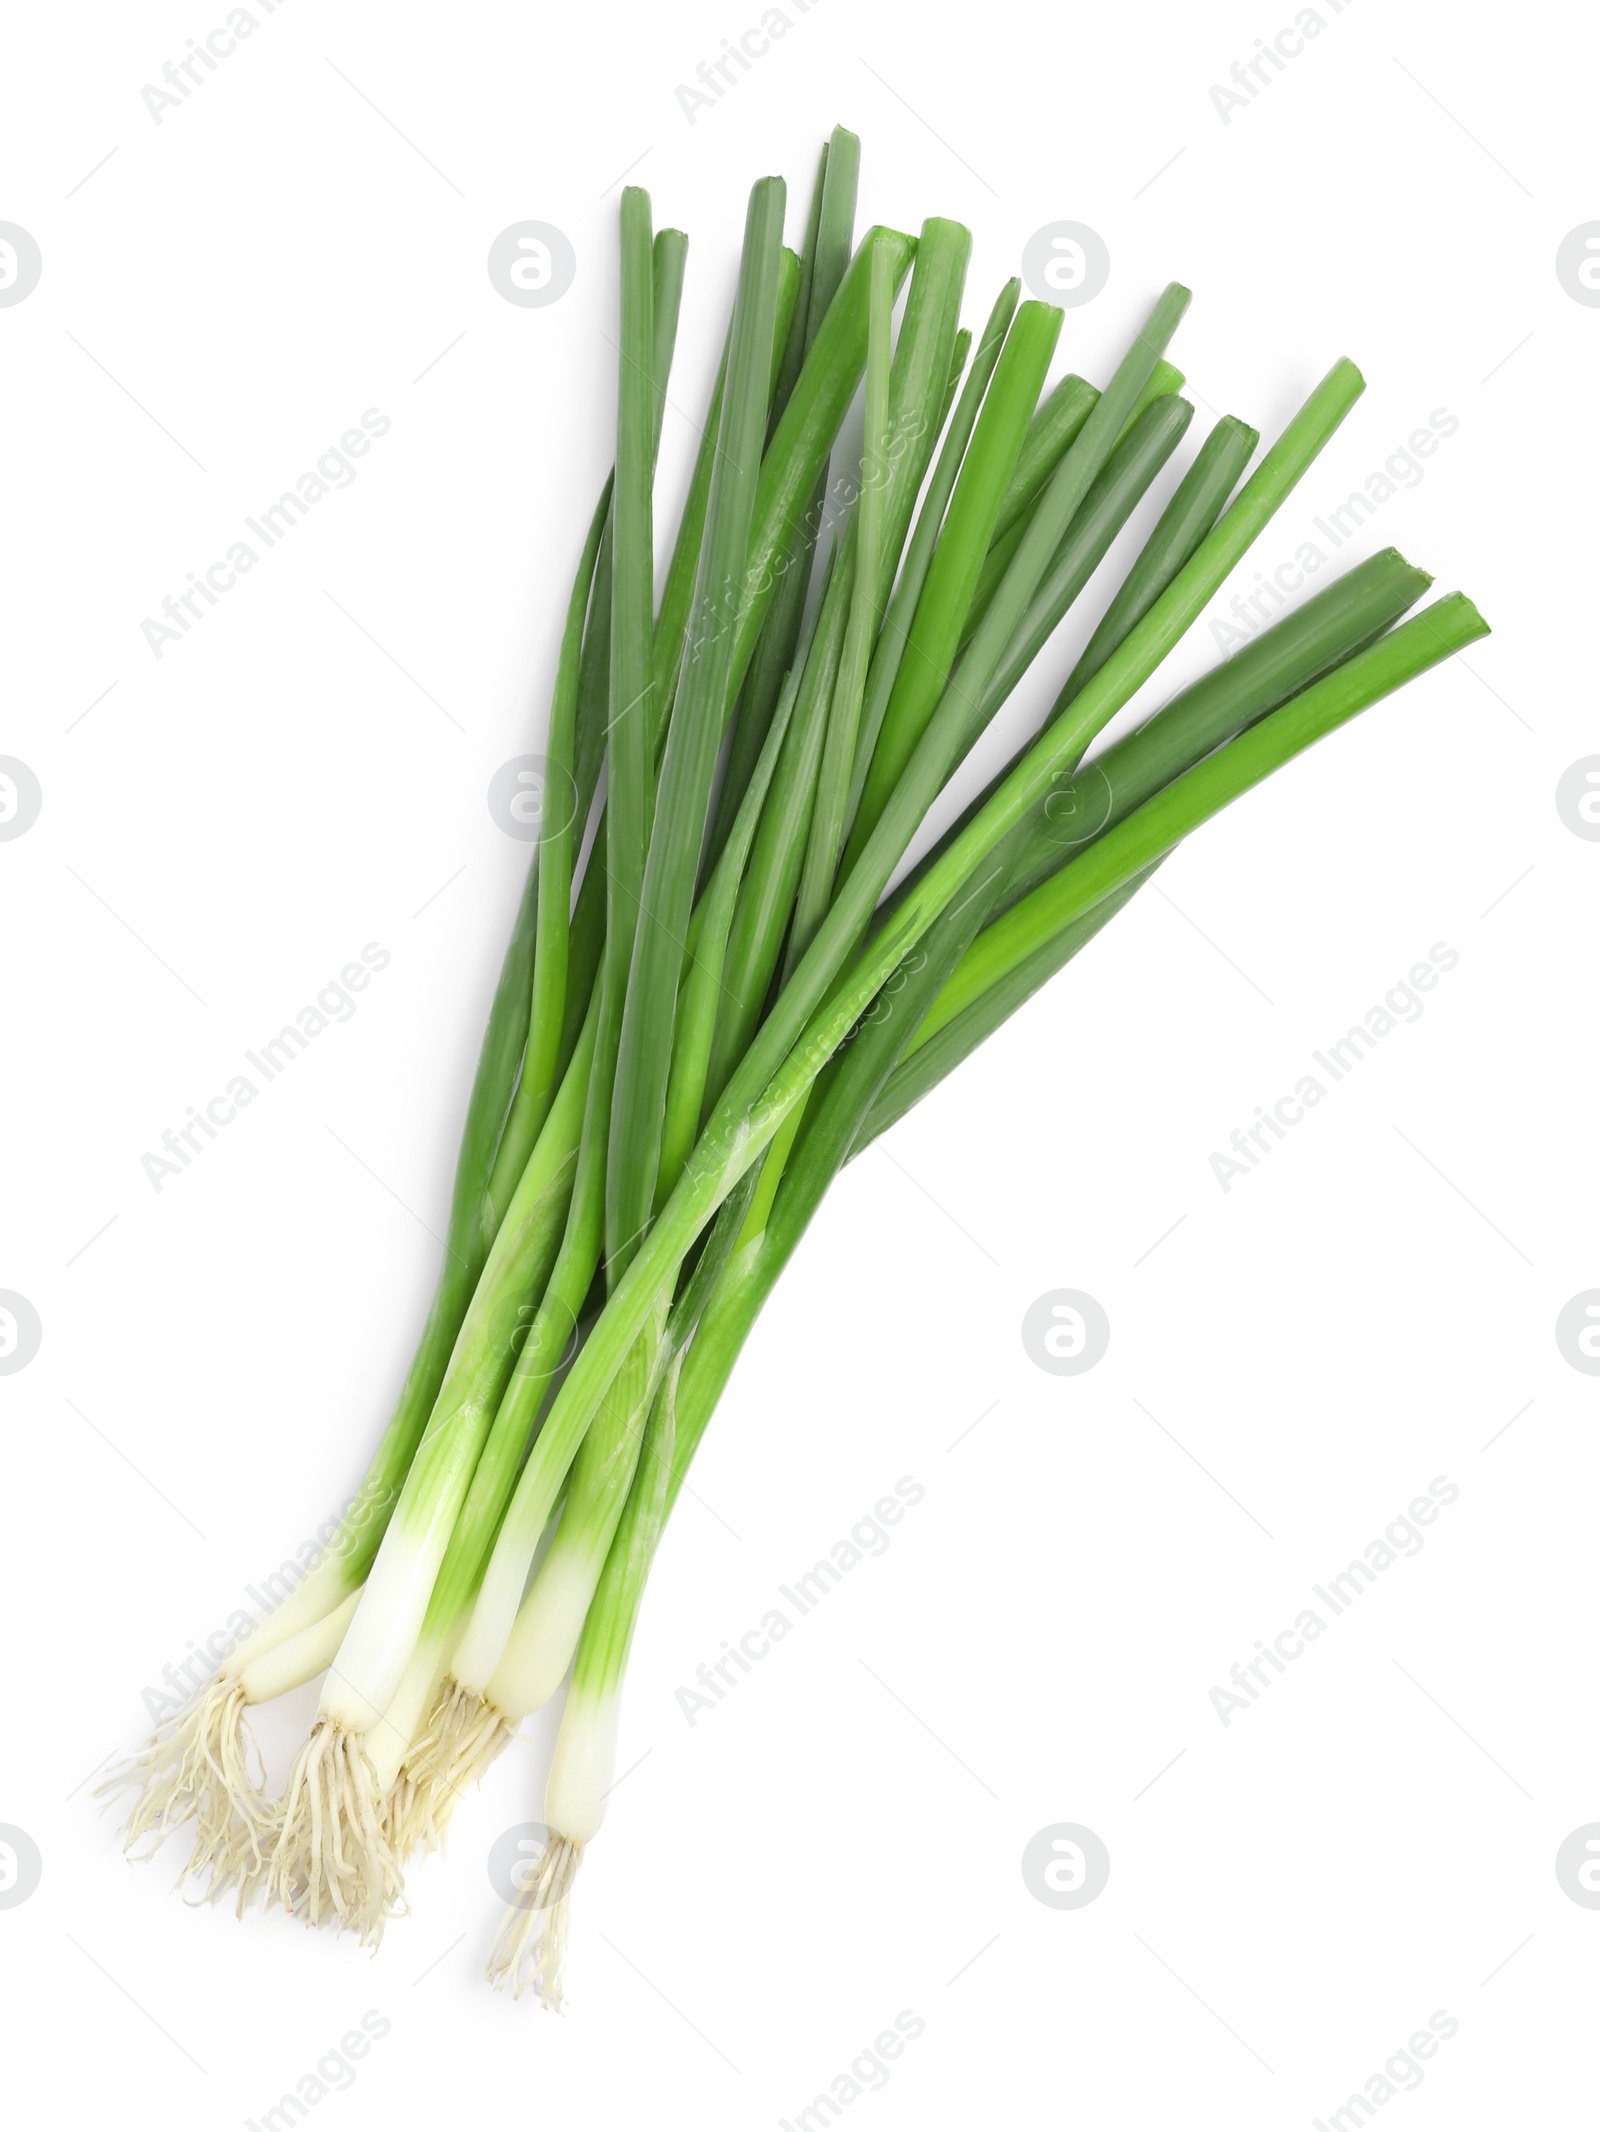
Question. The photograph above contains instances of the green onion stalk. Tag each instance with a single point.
(493, 1665)
(840, 974)
(404, 1753)
(829, 242)
(963, 957)
(510, 1658)
(549, 1340)
(650, 963)
(471, 1726)
(890, 648)
(514, 1649)
(795, 1041)
(1051, 432)
(1340, 619)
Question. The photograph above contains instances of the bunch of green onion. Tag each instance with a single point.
(694, 1032)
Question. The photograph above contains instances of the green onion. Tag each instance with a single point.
(629, 799)
(937, 1054)
(536, 1924)
(844, 710)
(1152, 830)
(1039, 580)
(1190, 515)
(696, 1032)
(1053, 429)
(1341, 619)
(830, 236)
(1104, 511)
(693, 739)
(801, 330)
(800, 445)
(1055, 425)
(491, 1621)
(541, 1062)
(929, 355)
(677, 598)
(767, 897)
(968, 526)
(890, 651)
(706, 958)
(904, 406)
(541, 1266)
(1304, 644)
(1186, 521)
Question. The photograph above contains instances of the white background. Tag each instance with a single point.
(1291, 1362)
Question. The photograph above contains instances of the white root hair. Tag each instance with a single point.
(532, 1947)
(465, 1737)
(196, 1766)
(531, 1950)
(333, 1858)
